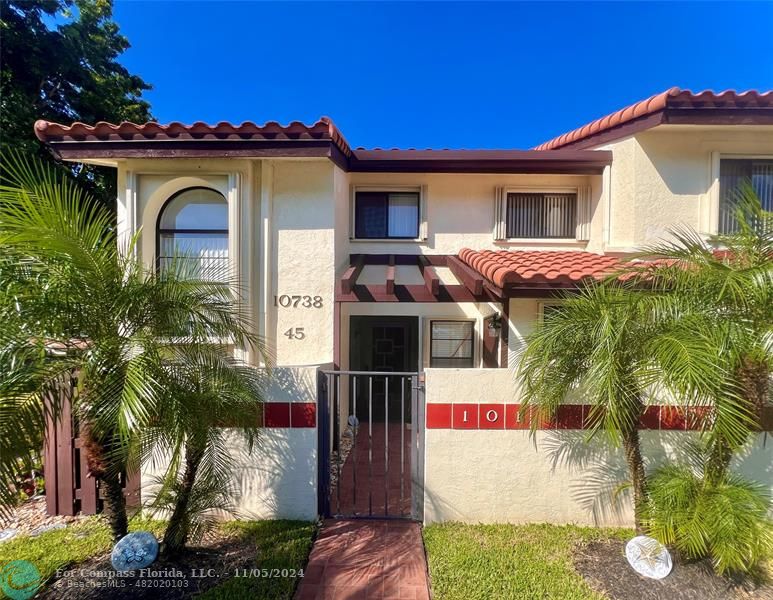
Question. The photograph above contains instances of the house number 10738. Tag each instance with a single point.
(286, 301)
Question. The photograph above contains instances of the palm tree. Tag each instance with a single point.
(74, 289)
(212, 401)
(713, 300)
(595, 343)
(692, 322)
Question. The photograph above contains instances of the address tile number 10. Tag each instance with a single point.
(297, 301)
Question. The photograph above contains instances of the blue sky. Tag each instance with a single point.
(459, 75)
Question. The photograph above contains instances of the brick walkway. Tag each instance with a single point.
(376, 477)
(358, 559)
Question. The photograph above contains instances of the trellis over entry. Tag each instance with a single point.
(70, 489)
(472, 287)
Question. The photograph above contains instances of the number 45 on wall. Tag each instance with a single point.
(295, 333)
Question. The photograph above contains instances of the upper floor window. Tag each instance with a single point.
(193, 233)
(452, 344)
(561, 214)
(537, 215)
(386, 214)
(734, 171)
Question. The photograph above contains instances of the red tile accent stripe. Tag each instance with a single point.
(491, 416)
(276, 414)
(446, 415)
(303, 414)
(465, 416)
(290, 414)
(438, 416)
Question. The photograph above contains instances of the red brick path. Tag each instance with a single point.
(359, 559)
(383, 483)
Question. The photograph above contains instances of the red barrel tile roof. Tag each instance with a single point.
(672, 98)
(323, 129)
(538, 267)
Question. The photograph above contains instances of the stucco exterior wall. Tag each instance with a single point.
(282, 238)
(666, 177)
(303, 260)
(460, 210)
(278, 478)
(556, 476)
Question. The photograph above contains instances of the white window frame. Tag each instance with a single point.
(477, 339)
(582, 225)
(420, 189)
(543, 304)
(710, 220)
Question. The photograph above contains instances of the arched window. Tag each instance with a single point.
(193, 233)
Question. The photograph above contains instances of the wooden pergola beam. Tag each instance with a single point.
(431, 279)
(349, 278)
(472, 280)
(390, 275)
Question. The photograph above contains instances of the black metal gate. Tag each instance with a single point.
(371, 444)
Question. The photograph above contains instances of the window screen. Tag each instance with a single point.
(451, 344)
(732, 173)
(541, 215)
(383, 215)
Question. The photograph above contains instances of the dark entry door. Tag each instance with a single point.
(384, 345)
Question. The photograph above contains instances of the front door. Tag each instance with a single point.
(384, 345)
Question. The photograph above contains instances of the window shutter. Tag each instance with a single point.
(499, 213)
(352, 192)
(423, 228)
(583, 213)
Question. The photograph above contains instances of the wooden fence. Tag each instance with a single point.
(69, 488)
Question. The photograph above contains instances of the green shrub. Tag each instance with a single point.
(727, 521)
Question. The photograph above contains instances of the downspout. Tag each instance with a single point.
(607, 187)
(266, 321)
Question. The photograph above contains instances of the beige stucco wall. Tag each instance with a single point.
(282, 238)
(304, 259)
(666, 177)
(460, 209)
(278, 478)
(493, 476)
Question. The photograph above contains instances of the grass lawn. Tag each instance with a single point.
(278, 544)
(467, 562)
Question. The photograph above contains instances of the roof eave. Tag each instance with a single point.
(584, 162)
(480, 161)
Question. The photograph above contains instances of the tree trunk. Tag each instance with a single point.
(752, 377)
(633, 457)
(178, 529)
(97, 463)
(116, 503)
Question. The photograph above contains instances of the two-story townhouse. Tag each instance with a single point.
(410, 277)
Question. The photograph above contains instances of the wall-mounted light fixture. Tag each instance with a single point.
(494, 324)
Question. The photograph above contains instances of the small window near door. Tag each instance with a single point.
(386, 215)
(452, 344)
(734, 172)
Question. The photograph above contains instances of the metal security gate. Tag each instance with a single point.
(371, 444)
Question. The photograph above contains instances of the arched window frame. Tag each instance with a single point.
(172, 198)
